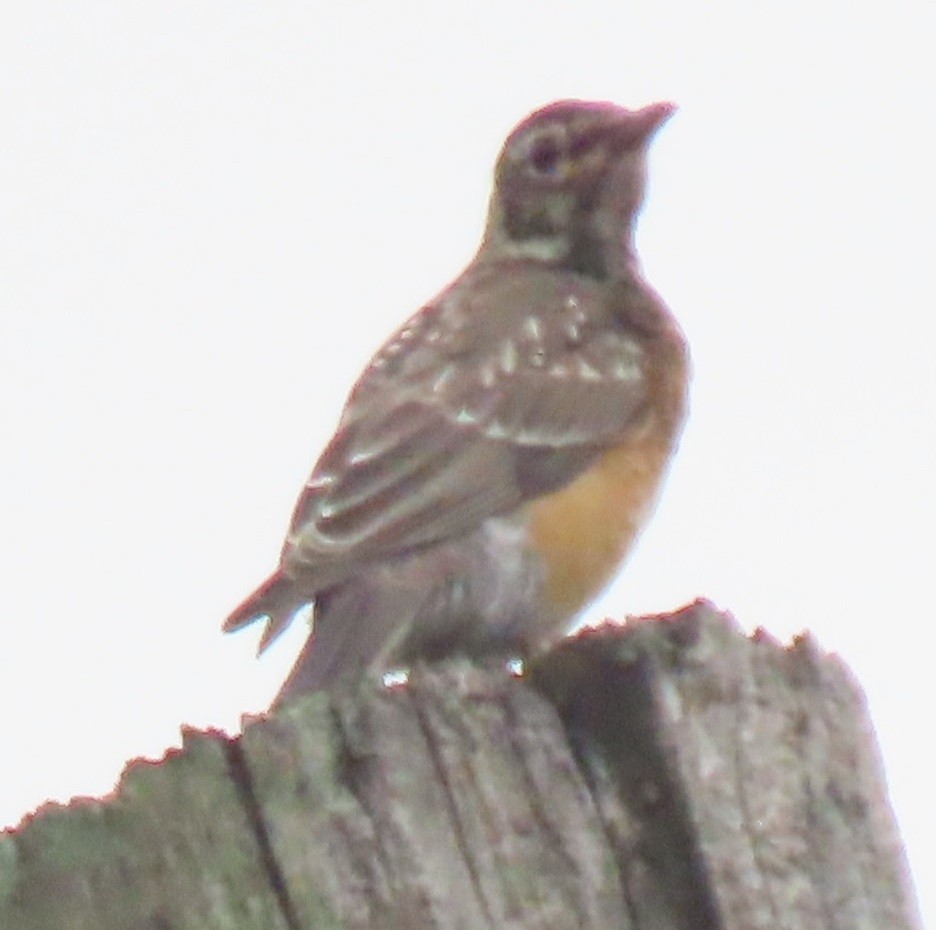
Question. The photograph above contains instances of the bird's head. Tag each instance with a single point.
(569, 183)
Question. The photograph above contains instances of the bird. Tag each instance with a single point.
(499, 455)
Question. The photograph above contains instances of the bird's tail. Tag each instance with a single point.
(358, 628)
(277, 599)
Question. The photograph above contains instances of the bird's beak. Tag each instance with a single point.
(636, 127)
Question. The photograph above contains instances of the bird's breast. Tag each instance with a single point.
(583, 532)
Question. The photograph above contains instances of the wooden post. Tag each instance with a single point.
(670, 775)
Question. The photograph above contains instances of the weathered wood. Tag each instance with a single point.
(670, 775)
(171, 850)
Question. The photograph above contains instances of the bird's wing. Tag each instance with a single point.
(460, 418)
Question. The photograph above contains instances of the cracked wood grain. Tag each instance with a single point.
(763, 800)
(170, 850)
(670, 775)
(241, 778)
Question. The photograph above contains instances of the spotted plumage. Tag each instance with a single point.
(497, 457)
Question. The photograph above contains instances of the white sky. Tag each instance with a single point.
(212, 213)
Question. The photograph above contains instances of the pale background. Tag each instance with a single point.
(212, 213)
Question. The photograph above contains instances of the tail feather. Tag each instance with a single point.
(357, 628)
(277, 599)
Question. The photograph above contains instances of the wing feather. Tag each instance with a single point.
(460, 419)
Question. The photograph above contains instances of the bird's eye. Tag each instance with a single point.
(546, 155)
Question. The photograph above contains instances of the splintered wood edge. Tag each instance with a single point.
(678, 768)
(759, 760)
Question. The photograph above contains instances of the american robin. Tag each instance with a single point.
(499, 455)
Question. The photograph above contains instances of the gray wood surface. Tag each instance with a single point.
(671, 775)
